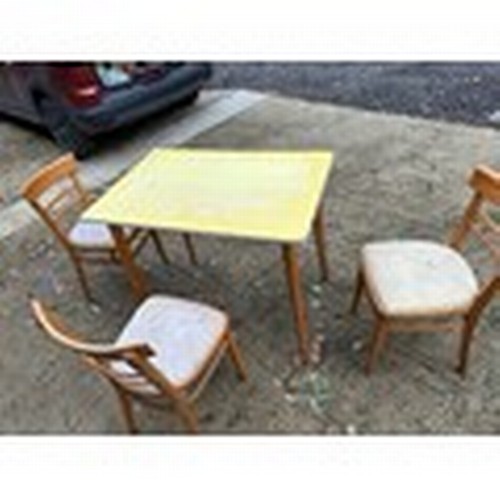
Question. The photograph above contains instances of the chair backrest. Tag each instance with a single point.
(56, 193)
(127, 367)
(478, 221)
(482, 215)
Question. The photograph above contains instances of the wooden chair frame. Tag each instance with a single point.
(485, 183)
(145, 383)
(70, 196)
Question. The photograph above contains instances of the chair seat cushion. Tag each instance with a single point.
(93, 234)
(418, 278)
(182, 333)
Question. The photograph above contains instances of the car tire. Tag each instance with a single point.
(65, 133)
(188, 100)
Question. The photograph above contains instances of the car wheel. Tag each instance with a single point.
(64, 132)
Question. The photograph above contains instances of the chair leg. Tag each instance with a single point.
(320, 239)
(236, 358)
(159, 246)
(471, 320)
(82, 277)
(467, 336)
(187, 414)
(378, 340)
(190, 248)
(360, 286)
(127, 411)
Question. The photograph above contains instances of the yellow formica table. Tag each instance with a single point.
(273, 196)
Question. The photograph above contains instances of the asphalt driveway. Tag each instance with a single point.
(466, 92)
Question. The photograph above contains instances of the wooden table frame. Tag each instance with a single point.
(291, 260)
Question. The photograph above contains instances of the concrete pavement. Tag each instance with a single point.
(394, 176)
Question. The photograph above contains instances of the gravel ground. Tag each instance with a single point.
(458, 92)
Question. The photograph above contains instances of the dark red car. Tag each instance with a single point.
(77, 101)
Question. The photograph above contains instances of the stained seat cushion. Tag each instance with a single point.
(93, 234)
(182, 333)
(418, 278)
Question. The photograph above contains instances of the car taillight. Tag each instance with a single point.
(79, 84)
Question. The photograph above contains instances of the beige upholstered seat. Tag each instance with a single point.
(93, 234)
(182, 334)
(414, 278)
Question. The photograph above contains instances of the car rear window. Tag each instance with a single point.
(112, 74)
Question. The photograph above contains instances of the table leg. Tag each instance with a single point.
(319, 236)
(134, 273)
(297, 299)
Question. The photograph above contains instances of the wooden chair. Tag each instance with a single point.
(422, 285)
(59, 197)
(165, 354)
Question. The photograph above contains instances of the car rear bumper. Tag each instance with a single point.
(128, 105)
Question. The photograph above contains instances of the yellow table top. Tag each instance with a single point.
(266, 195)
